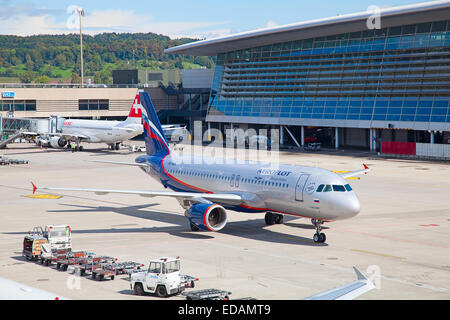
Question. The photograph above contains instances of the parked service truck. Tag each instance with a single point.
(40, 243)
(162, 278)
(58, 240)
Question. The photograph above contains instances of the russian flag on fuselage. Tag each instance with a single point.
(155, 140)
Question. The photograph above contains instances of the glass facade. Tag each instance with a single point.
(17, 105)
(399, 73)
(93, 104)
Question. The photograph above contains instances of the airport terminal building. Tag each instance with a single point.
(362, 85)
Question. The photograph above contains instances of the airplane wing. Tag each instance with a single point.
(11, 290)
(74, 136)
(228, 198)
(347, 292)
(352, 174)
(135, 164)
(66, 136)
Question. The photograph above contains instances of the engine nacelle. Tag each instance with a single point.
(207, 216)
(57, 142)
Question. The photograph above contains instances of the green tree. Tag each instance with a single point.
(42, 79)
(75, 78)
(27, 77)
(60, 60)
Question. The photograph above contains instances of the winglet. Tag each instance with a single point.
(359, 274)
(34, 187)
(365, 166)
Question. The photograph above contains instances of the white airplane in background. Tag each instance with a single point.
(207, 188)
(112, 133)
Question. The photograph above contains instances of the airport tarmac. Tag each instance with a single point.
(402, 231)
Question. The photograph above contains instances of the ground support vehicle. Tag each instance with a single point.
(126, 267)
(101, 269)
(59, 242)
(72, 258)
(32, 246)
(48, 258)
(313, 146)
(188, 281)
(97, 266)
(162, 278)
(207, 294)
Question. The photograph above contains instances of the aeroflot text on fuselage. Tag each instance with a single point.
(268, 172)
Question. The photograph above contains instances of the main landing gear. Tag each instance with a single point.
(114, 146)
(319, 237)
(273, 218)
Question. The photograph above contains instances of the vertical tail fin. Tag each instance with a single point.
(155, 141)
(135, 115)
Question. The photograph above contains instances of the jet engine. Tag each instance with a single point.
(57, 142)
(207, 216)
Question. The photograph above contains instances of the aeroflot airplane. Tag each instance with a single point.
(98, 131)
(207, 189)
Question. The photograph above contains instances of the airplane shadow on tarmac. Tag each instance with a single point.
(250, 229)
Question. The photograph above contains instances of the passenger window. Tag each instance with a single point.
(327, 188)
(347, 187)
(338, 188)
(320, 188)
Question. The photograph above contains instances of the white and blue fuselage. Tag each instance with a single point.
(288, 189)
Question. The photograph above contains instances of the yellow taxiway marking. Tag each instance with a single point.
(44, 196)
(446, 267)
(351, 178)
(379, 254)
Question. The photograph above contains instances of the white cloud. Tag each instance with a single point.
(271, 24)
(113, 20)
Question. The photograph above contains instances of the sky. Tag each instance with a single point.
(201, 19)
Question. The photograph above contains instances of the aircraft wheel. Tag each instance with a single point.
(316, 238)
(270, 218)
(319, 238)
(117, 147)
(81, 148)
(279, 219)
(322, 237)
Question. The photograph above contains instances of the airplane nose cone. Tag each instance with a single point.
(352, 207)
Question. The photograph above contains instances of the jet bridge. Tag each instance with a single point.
(12, 128)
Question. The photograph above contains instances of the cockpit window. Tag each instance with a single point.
(320, 188)
(327, 188)
(337, 187)
(347, 187)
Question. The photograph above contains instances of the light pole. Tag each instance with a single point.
(81, 13)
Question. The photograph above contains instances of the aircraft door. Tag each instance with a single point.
(301, 186)
(153, 274)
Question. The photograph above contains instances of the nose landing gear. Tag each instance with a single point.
(318, 236)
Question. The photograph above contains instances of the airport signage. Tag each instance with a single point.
(8, 94)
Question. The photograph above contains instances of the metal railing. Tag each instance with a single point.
(69, 85)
